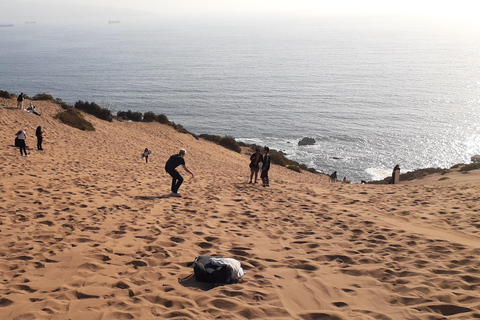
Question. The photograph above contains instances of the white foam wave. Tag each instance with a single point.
(379, 174)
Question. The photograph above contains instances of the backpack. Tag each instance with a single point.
(206, 272)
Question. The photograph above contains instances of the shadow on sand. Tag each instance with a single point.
(190, 281)
(152, 197)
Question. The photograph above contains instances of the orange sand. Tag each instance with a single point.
(87, 232)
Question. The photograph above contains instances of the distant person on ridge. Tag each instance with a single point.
(255, 159)
(333, 177)
(265, 167)
(20, 101)
(170, 168)
(396, 174)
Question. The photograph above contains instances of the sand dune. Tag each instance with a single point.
(87, 232)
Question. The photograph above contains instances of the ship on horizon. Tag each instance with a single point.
(6, 24)
(113, 21)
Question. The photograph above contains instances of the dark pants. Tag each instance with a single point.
(177, 180)
(264, 174)
(23, 147)
(39, 143)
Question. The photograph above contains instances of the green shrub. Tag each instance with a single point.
(294, 168)
(243, 144)
(179, 128)
(470, 167)
(230, 143)
(312, 170)
(130, 115)
(43, 96)
(210, 137)
(6, 95)
(149, 116)
(74, 118)
(64, 105)
(94, 109)
(162, 119)
(278, 158)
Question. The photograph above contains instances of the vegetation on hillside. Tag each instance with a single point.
(6, 95)
(94, 109)
(42, 96)
(74, 118)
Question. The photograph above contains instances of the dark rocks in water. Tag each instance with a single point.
(306, 141)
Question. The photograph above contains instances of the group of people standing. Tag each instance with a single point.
(21, 136)
(259, 162)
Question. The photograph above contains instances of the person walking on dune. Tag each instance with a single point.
(39, 134)
(145, 154)
(20, 101)
(255, 159)
(265, 167)
(171, 168)
(21, 136)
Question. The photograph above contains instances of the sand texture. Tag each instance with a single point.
(87, 231)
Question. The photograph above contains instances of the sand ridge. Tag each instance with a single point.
(88, 232)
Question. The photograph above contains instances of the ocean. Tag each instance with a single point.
(373, 91)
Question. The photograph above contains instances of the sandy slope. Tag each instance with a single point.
(87, 232)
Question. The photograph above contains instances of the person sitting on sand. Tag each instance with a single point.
(265, 167)
(255, 159)
(170, 167)
(145, 154)
(21, 136)
(32, 109)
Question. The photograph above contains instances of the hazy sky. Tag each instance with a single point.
(80, 9)
(462, 8)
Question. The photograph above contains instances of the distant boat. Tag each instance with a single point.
(6, 24)
(113, 21)
(30, 22)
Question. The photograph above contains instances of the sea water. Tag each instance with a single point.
(373, 92)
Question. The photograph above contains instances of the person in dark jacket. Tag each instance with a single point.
(265, 167)
(20, 141)
(255, 159)
(20, 101)
(39, 134)
(171, 168)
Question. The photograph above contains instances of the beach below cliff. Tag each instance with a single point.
(88, 231)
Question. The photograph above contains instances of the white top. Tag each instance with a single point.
(22, 135)
(234, 266)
